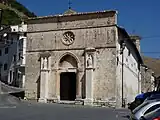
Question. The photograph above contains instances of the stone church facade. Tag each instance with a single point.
(72, 57)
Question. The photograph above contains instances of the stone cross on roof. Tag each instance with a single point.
(69, 4)
(70, 11)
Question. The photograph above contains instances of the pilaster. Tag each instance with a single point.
(44, 77)
(89, 71)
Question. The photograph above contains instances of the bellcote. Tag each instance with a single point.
(69, 11)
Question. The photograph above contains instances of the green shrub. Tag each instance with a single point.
(21, 8)
(10, 18)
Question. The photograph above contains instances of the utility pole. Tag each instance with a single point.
(122, 72)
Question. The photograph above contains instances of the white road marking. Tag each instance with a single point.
(7, 107)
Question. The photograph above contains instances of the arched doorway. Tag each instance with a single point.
(68, 78)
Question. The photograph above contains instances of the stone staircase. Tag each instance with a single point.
(76, 102)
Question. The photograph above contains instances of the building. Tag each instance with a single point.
(12, 55)
(78, 57)
(150, 74)
(129, 62)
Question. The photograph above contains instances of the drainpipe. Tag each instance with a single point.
(1, 18)
(0, 78)
(0, 65)
(140, 75)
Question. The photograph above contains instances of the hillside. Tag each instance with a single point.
(14, 12)
(153, 64)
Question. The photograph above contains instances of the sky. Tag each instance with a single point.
(139, 17)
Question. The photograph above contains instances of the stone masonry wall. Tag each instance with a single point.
(105, 78)
(147, 83)
(32, 75)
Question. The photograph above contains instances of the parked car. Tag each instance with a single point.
(153, 97)
(145, 108)
(139, 99)
(154, 115)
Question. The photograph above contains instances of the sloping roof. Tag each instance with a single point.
(152, 63)
(76, 13)
(128, 39)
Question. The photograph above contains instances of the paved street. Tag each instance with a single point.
(38, 111)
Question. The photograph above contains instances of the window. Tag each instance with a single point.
(152, 108)
(10, 76)
(14, 58)
(19, 56)
(14, 76)
(126, 59)
(0, 52)
(7, 41)
(131, 65)
(19, 43)
(11, 40)
(6, 50)
(117, 60)
(5, 66)
(129, 52)
(6, 79)
(25, 34)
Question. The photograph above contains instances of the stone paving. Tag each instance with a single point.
(59, 112)
(13, 109)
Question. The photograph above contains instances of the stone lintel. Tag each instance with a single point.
(90, 49)
(90, 68)
(45, 70)
(45, 54)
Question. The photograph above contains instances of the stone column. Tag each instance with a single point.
(78, 92)
(89, 71)
(23, 81)
(44, 86)
(44, 78)
(52, 85)
(57, 85)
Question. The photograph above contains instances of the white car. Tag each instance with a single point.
(145, 108)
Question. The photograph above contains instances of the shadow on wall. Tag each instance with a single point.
(18, 94)
(83, 88)
(38, 87)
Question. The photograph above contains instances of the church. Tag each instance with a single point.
(83, 58)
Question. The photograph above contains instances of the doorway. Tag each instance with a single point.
(68, 86)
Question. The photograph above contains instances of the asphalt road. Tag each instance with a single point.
(36, 111)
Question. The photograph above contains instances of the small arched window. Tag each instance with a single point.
(129, 52)
(5, 66)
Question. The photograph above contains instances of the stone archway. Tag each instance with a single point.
(68, 84)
